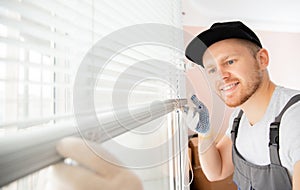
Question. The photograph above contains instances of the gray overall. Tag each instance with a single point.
(249, 176)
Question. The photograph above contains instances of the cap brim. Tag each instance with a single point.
(200, 43)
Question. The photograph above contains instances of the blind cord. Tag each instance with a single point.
(192, 173)
(190, 164)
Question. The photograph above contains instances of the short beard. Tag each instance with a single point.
(251, 88)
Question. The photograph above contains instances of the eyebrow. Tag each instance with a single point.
(226, 57)
(211, 63)
(222, 59)
(209, 66)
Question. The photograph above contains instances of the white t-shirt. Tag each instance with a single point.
(253, 141)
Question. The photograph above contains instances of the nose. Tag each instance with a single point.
(223, 73)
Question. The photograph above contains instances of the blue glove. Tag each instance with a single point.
(197, 118)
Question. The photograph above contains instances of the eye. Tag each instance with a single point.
(230, 62)
(212, 70)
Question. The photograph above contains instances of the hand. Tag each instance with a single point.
(197, 117)
(91, 172)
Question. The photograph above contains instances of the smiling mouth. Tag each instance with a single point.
(229, 87)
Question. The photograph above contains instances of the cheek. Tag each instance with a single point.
(213, 78)
(214, 82)
(241, 71)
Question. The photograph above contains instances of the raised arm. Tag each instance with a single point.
(216, 160)
(296, 176)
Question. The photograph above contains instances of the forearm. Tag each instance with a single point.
(296, 176)
(211, 162)
(215, 160)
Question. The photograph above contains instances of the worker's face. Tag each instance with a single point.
(232, 70)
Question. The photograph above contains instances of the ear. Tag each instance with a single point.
(263, 58)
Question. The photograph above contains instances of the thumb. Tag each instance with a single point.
(192, 119)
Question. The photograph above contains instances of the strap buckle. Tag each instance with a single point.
(274, 134)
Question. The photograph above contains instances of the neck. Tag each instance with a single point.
(255, 107)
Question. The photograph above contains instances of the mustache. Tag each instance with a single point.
(221, 83)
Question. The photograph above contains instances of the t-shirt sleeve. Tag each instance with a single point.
(291, 134)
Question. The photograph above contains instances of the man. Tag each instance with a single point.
(236, 65)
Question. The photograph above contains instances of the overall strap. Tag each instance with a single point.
(274, 132)
(235, 126)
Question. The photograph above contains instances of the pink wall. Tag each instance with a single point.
(284, 55)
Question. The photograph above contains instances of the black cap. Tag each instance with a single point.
(217, 32)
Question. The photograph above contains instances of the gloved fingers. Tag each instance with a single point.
(88, 155)
(194, 121)
(188, 115)
(191, 119)
(199, 106)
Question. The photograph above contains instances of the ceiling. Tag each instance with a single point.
(273, 15)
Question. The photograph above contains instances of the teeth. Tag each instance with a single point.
(229, 87)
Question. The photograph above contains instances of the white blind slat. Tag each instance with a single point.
(43, 46)
(16, 161)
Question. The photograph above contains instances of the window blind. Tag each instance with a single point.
(56, 74)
